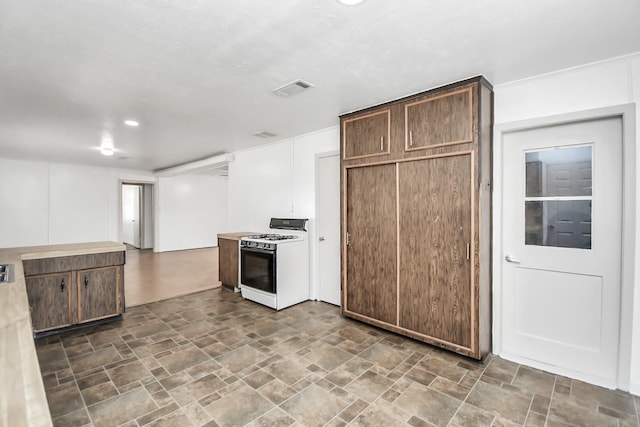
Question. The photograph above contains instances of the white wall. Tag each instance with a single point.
(260, 186)
(278, 180)
(43, 203)
(78, 208)
(604, 84)
(51, 203)
(192, 210)
(24, 203)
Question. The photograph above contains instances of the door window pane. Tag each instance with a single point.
(560, 223)
(559, 172)
(558, 197)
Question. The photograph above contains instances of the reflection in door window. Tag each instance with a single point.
(558, 196)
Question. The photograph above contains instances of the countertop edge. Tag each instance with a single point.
(55, 251)
(236, 236)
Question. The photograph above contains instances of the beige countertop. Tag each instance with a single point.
(236, 236)
(22, 397)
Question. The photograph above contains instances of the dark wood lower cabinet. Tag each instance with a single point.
(50, 301)
(228, 255)
(98, 293)
(83, 294)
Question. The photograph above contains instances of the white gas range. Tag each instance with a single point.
(274, 267)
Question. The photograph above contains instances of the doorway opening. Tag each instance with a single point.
(137, 215)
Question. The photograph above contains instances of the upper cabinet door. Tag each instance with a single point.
(367, 135)
(439, 120)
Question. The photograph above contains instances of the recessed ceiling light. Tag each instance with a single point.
(350, 2)
(132, 123)
(106, 151)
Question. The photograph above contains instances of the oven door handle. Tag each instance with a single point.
(257, 250)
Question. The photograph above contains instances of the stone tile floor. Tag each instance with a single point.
(213, 359)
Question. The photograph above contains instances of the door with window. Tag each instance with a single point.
(562, 210)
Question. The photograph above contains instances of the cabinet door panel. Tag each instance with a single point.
(98, 293)
(435, 229)
(440, 120)
(50, 301)
(367, 135)
(371, 280)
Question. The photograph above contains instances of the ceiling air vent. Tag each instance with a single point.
(292, 88)
(264, 134)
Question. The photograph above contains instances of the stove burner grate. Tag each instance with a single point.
(272, 237)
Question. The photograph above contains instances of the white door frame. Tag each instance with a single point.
(315, 292)
(627, 269)
(154, 209)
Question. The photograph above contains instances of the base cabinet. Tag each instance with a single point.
(228, 256)
(59, 299)
(416, 222)
(50, 301)
(98, 293)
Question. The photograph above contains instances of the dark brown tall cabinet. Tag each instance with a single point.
(416, 216)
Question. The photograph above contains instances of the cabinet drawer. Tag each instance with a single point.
(33, 267)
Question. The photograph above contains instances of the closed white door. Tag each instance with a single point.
(562, 216)
(131, 214)
(328, 224)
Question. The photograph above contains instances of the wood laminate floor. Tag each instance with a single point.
(151, 277)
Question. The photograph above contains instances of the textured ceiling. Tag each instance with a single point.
(198, 74)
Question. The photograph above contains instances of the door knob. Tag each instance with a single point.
(511, 259)
(321, 239)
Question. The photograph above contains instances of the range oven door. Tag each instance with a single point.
(258, 269)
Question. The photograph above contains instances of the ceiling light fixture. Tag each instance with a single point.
(106, 151)
(350, 2)
(106, 144)
(132, 123)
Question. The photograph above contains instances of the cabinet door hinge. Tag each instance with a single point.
(348, 239)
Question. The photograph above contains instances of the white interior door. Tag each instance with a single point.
(328, 225)
(562, 216)
(131, 195)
